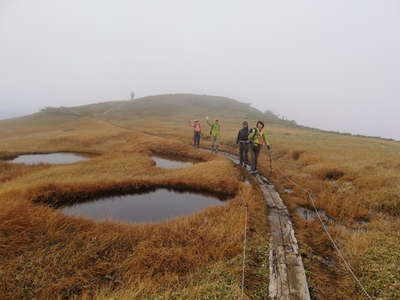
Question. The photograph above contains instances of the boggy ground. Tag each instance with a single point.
(46, 255)
(354, 179)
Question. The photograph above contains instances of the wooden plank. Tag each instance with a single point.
(288, 279)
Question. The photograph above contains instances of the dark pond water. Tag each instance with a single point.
(51, 158)
(153, 206)
(166, 162)
(310, 214)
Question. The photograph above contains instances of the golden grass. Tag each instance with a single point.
(44, 253)
(353, 179)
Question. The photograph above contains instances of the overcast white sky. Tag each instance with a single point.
(331, 64)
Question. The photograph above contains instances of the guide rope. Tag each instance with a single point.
(244, 248)
(325, 229)
(309, 194)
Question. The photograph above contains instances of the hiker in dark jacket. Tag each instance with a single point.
(243, 142)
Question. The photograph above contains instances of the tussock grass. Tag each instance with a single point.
(9, 171)
(363, 170)
(352, 178)
(44, 253)
(351, 182)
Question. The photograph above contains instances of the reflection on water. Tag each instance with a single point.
(164, 162)
(153, 206)
(51, 158)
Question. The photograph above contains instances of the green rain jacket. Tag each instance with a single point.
(258, 137)
(215, 129)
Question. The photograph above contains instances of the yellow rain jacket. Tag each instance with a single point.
(257, 136)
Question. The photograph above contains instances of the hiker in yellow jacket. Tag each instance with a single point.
(257, 138)
(215, 132)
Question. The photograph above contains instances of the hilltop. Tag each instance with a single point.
(168, 109)
(160, 108)
(165, 106)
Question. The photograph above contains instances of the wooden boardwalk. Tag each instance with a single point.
(287, 275)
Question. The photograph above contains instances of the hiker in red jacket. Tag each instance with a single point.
(196, 132)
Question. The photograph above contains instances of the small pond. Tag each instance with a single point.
(152, 206)
(169, 163)
(51, 158)
(310, 214)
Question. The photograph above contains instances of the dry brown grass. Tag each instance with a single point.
(352, 179)
(43, 252)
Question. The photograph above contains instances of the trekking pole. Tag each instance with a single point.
(270, 161)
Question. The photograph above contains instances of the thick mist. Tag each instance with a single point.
(328, 64)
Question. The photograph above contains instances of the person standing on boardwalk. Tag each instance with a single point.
(257, 139)
(215, 131)
(196, 132)
(243, 142)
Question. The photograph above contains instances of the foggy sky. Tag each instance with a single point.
(328, 64)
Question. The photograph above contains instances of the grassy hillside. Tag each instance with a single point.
(181, 106)
(354, 179)
(147, 112)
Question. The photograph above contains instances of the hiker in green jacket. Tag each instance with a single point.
(215, 131)
(257, 138)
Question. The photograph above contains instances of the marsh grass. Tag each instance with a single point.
(44, 253)
(352, 178)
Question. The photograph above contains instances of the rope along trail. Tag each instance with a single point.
(287, 275)
(288, 280)
(325, 229)
(244, 248)
(311, 199)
